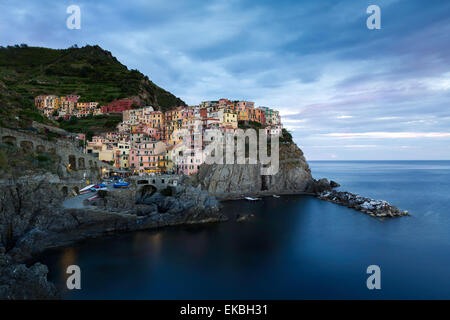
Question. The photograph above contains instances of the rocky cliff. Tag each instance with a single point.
(236, 180)
(18, 281)
(26, 207)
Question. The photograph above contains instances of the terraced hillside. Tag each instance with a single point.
(90, 71)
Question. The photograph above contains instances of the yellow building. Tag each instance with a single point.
(156, 119)
(229, 118)
(51, 102)
(162, 162)
(175, 137)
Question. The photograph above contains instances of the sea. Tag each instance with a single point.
(296, 247)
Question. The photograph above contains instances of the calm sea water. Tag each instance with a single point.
(297, 248)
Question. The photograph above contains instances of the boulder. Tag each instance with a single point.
(334, 184)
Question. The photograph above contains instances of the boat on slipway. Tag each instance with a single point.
(252, 199)
(87, 189)
(121, 184)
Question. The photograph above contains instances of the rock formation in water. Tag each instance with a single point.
(375, 208)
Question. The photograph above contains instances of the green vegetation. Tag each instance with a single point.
(286, 136)
(91, 72)
(91, 125)
(3, 161)
(42, 158)
(250, 125)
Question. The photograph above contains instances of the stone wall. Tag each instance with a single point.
(70, 154)
(158, 181)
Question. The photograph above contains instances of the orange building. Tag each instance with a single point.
(157, 119)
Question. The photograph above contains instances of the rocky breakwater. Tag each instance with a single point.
(375, 208)
(231, 181)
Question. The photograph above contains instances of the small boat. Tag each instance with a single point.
(87, 189)
(93, 198)
(121, 184)
(275, 196)
(94, 189)
(252, 199)
(98, 187)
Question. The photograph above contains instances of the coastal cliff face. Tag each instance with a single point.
(24, 208)
(235, 180)
(18, 281)
(28, 205)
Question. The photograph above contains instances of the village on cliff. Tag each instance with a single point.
(148, 141)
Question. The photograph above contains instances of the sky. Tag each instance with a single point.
(345, 92)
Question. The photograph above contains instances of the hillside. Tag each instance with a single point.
(90, 71)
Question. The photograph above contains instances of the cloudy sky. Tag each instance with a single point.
(344, 91)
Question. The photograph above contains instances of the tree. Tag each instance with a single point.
(89, 135)
(286, 136)
(73, 120)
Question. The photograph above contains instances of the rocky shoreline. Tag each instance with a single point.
(374, 208)
(33, 219)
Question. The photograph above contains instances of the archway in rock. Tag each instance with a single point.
(72, 162)
(9, 140)
(40, 149)
(27, 146)
(65, 191)
(81, 163)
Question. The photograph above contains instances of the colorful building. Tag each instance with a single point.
(121, 105)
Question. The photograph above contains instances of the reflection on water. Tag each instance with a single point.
(297, 247)
(68, 258)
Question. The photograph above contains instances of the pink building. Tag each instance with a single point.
(72, 98)
(154, 133)
(189, 162)
(242, 105)
(146, 157)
